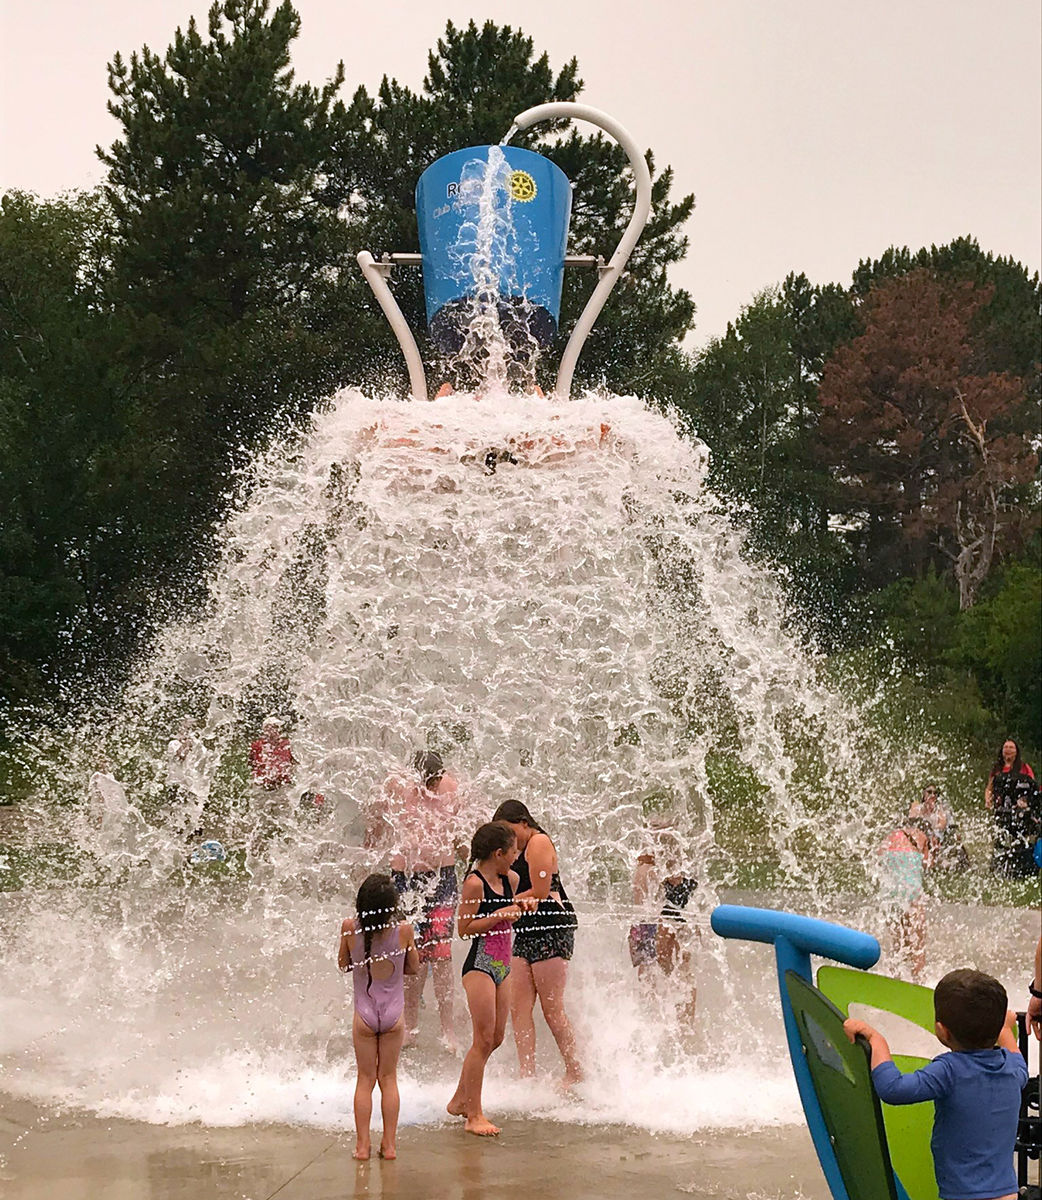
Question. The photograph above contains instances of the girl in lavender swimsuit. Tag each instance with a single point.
(487, 913)
(379, 949)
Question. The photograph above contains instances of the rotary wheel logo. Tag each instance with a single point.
(522, 186)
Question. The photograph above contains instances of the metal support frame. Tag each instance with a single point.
(641, 211)
(378, 273)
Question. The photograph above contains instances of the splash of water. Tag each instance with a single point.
(545, 593)
(498, 347)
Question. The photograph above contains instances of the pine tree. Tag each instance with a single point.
(224, 242)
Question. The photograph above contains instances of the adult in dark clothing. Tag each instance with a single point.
(543, 943)
(1012, 797)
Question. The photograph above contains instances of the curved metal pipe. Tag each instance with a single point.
(376, 276)
(641, 212)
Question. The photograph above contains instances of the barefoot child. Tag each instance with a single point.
(378, 949)
(486, 913)
(976, 1089)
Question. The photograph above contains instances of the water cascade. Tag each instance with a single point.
(541, 589)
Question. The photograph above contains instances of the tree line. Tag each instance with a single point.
(879, 437)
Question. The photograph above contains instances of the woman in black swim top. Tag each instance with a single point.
(543, 943)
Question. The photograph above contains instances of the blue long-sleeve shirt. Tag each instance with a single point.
(976, 1095)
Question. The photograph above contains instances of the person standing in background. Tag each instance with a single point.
(271, 758)
(1011, 796)
(903, 857)
(418, 818)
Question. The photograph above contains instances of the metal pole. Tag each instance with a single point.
(376, 276)
(641, 212)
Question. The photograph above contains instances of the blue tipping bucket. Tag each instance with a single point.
(516, 253)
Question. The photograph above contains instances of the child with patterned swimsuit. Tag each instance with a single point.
(379, 949)
(487, 913)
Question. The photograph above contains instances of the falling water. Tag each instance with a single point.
(546, 593)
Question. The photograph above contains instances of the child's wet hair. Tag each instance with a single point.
(430, 766)
(377, 908)
(972, 1006)
(487, 839)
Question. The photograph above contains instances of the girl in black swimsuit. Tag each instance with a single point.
(543, 943)
(487, 913)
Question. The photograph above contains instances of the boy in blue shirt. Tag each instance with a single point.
(976, 1089)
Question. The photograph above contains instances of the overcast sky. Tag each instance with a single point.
(812, 132)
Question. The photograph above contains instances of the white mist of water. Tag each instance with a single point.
(573, 628)
(545, 593)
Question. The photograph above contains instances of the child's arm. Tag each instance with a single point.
(877, 1044)
(928, 1083)
(1007, 1038)
(469, 924)
(343, 956)
(407, 938)
(642, 878)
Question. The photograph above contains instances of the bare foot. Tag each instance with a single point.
(362, 1152)
(481, 1126)
(388, 1152)
(410, 1037)
(567, 1082)
(449, 1043)
(455, 1107)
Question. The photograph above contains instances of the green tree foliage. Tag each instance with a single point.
(62, 392)
(752, 396)
(225, 243)
(999, 641)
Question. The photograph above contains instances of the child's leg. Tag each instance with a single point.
(549, 978)
(488, 1018)
(522, 1006)
(365, 1055)
(413, 992)
(915, 939)
(442, 973)
(388, 1047)
(667, 949)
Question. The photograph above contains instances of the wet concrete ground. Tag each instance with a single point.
(50, 1156)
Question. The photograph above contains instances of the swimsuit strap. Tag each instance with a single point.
(492, 899)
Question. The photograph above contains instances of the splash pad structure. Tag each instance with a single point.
(540, 588)
(473, 275)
